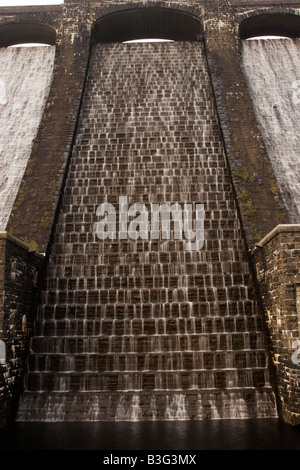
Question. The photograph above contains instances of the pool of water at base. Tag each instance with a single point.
(259, 434)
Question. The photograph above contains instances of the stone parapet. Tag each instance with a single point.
(277, 263)
(19, 277)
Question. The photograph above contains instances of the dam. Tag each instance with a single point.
(108, 317)
(147, 329)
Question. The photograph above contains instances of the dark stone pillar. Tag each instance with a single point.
(19, 274)
(277, 262)
(258, 196)
(36, 205)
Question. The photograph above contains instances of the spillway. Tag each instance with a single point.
(272, 70)
(146, 328)
(25, 79)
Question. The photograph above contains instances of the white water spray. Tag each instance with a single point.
(272, 69)
(25, 78)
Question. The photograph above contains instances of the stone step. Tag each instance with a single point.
(120, 311)
(147, 193)
(213, 238)
(146, 296)
(86, 381)
(163, 263)
(135, 259)
(137, 326)
(147, 361)
(65, 317)
(148, 405)
(217, 219)
(150, 282)
(216, 342)
(210, 240)
(161, 176)
(211, 223)
(168, 189)
(82, 166)
(77, 199)
(153, 249)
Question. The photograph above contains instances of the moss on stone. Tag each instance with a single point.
(247, 204)
(32, 244)
(46, 220)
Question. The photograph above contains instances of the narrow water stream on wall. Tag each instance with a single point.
(272, 69)
(25, 79)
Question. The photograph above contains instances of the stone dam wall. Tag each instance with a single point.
(147, 329)
(157, 319)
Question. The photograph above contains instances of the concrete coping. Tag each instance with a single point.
(20, 243)
(30, 8)
(281, 228)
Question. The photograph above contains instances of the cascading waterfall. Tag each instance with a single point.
(146, 329)
(176, 410)
(272, 69)
(25, 79)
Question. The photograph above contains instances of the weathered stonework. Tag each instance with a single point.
(74, 23)
(35, 207)
(37, 204)
(19, 275)
(277, 262)
(141, 136)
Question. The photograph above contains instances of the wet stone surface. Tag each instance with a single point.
(147, 329)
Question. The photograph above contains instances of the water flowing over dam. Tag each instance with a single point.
(146, 329)
(25, 78)
(272, 68)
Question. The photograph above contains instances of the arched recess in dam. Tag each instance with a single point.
(26, 32)
(164, 23)
(270, 52)
(136, 323)
(25, 79)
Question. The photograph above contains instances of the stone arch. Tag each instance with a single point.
(26, 32)
(148, 22)
(269, 23)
